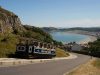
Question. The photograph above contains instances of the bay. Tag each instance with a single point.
(66, 37)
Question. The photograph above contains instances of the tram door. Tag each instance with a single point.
(31, 48)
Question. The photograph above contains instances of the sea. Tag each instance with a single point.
(66, 37)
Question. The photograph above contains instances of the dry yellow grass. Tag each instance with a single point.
(86, 69)
(61, 53)
(96, 63)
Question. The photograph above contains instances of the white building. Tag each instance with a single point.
(76, 47)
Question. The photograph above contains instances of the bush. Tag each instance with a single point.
(95, 48)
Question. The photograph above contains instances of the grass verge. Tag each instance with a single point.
(61, 53)
(96, 63)
(90, 68)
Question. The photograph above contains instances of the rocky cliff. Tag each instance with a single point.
(9, 22)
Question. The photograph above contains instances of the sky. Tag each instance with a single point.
(56, 13)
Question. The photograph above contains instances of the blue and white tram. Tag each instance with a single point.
(36, 50)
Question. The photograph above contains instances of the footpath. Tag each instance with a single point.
(6, 62)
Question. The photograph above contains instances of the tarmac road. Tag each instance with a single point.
(58, 67)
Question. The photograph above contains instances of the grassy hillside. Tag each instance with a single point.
(37, 33)
(11, 31)
(8, 41)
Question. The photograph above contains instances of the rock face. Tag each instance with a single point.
(9, 22)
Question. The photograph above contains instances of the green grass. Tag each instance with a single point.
(8, 46)
(96, 63)
(61, 53)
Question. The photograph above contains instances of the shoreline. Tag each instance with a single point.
(84, 41)
(87, 40)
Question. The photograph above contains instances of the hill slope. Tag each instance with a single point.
(9, 22)
(89, 29)
(11, 30)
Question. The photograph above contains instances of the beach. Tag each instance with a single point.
(84, 41)
(67, 37)
(89, 39)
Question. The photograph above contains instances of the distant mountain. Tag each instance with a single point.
(90, 29)
(48, 29)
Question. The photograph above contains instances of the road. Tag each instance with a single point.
(58, 67)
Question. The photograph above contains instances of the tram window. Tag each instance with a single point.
(51, 47)
(52, 52)
(48, 46)
(37, 50)
(45, 45)
(21, 48)
(41, 44)
(36, 43)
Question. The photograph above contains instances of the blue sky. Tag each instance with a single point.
(56, 13)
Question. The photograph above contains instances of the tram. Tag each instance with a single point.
(35, 50)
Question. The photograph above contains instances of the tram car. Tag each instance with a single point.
(35, 50)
